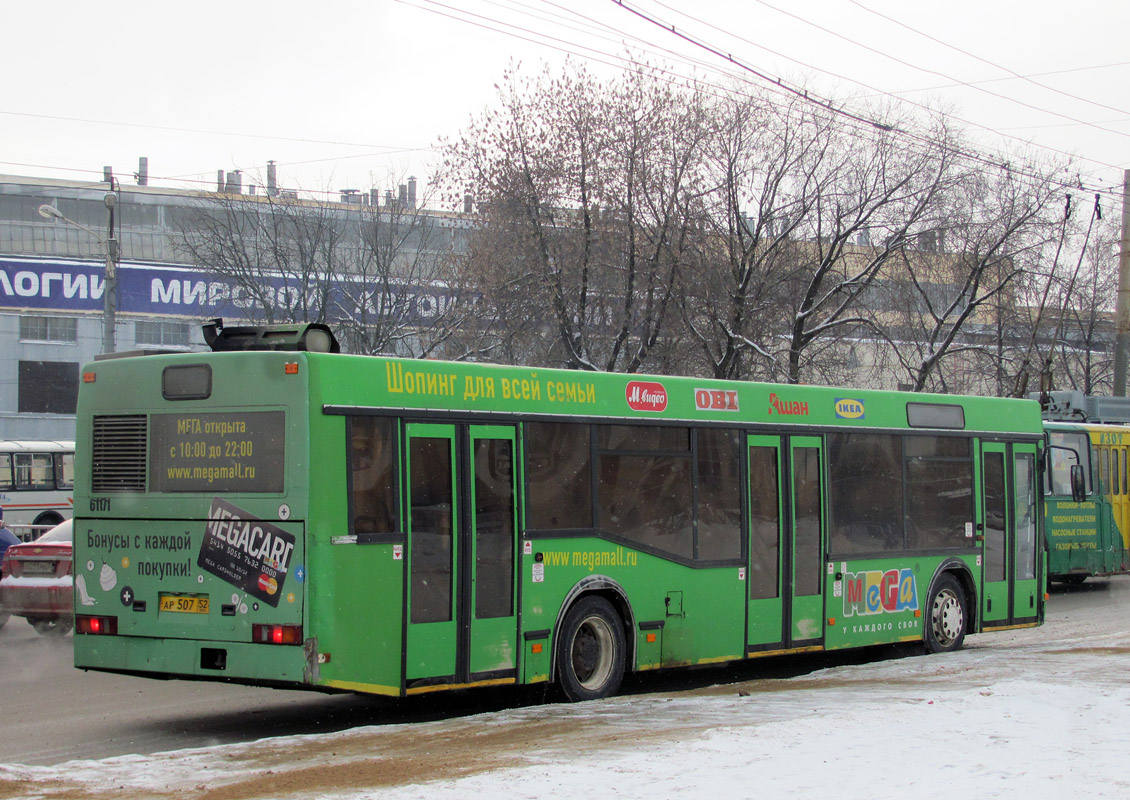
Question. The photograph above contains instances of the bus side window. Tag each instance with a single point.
(6, 471)
(64, 470)
(372, 475)
(34, 471)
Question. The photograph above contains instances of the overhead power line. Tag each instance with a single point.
(812, 98)
(905, 63)
(973, 84)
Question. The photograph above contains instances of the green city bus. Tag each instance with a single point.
(277, 513)
(1088, 527)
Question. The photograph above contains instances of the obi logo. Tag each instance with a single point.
(879, 592)
(846, 408)
(716, 399)
(646, 396)
(787, 406)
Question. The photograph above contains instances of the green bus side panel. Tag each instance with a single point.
(355, 609)
(700, 612)
(807, 615)
(437, 386)
(765, 620)
(879, 601)
(1082, 537)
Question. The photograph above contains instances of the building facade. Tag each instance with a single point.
(54, 243)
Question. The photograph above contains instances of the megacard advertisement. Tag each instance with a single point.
(251, 554)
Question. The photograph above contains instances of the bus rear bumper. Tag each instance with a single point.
(239, 662)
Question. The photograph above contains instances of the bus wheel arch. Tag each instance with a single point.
(592, 645)
(949, 610)
(51, 518)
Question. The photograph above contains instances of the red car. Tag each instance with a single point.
(36, 581)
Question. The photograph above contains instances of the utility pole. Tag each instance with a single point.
(1122, 309)
(110, 287)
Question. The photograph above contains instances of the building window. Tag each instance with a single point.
(48, 329)
(162, 334)
(48, 387)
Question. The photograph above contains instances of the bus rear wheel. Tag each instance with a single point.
(946, 621)
(591, 651)
(48, 518)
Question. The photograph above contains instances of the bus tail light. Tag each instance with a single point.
(276, 634)
(96, 626)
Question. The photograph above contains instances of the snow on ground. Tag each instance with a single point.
(1018, 714)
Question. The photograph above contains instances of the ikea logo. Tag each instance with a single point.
(846, 408)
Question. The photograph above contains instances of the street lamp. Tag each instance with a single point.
(110, 284)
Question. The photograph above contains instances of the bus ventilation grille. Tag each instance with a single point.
(119, 450)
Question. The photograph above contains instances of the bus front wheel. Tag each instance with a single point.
(946, 620)
(591, 651)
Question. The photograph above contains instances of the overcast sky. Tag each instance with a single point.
(355, 93)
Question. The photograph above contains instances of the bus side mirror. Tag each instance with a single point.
(1078, 483)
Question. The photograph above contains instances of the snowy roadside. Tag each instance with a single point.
(1017, 714)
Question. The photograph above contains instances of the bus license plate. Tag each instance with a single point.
(186, 604)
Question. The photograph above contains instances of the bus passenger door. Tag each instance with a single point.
(489, 579)
(462, 624)
(807, 540)
(765, 626)
(432, 553)
(1025, 550)
(786, 606)
(1008, 519)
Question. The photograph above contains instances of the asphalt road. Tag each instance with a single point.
(54, 713)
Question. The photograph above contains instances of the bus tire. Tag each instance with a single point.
(591, 650)
(946, 618)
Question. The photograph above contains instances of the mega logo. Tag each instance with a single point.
(792, 407)
(847, 408)
(646, 396)
(879, 592)
(716, 399)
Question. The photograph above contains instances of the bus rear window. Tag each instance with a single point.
(231, 452)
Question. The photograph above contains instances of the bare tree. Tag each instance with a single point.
(279, 256)
(402, 293)
(733, 295)
(381, 273)
(968, 274)
(871, 191)
(586, 194)
(811, 210)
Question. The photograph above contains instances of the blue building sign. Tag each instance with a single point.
(78, 286)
